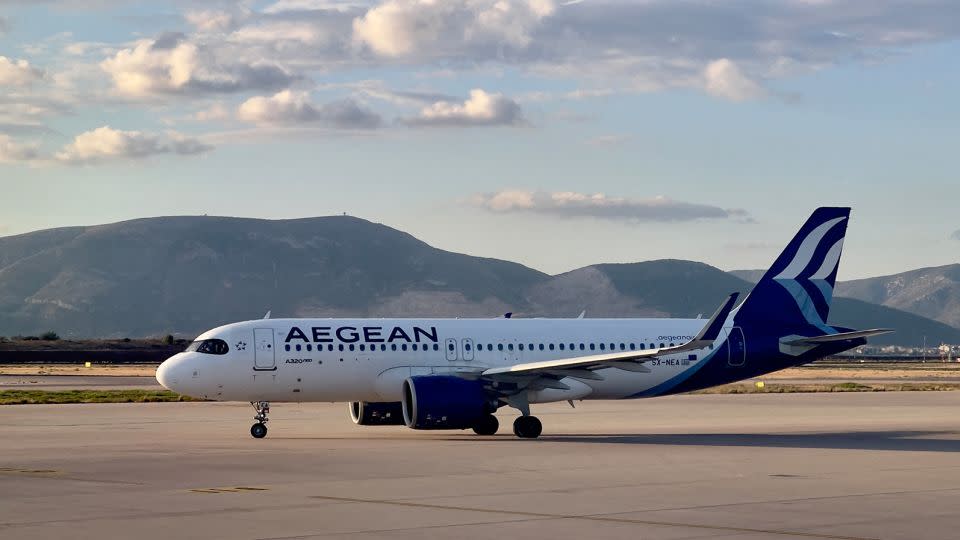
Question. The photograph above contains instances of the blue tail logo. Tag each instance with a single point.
(797, 290)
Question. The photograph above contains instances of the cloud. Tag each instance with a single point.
(725, 79)
(608, 140)
(18, 72)
(422, 28)
(569, 204)
(215, 112)
(207, 20)
(4, 25)
(289, 107)
(480, 109)
(172, 64)
(11, 151)
(956, 235)
(108, 144)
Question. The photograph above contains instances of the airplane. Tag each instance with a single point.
(454, 374)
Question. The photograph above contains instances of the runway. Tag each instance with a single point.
(851, 465)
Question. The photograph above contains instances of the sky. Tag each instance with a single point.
(556, 134)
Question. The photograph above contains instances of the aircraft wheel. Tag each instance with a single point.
(527, 427)
(488, 425)
(258, 430)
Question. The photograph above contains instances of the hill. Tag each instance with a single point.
(182, 275)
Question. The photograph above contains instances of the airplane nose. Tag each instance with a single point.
(166, 374)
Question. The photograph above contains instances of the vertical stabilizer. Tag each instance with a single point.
(797, 290)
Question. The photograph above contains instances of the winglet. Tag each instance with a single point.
(712, 329)
(267, 316)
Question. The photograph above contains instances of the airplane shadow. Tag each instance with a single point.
(903, 441)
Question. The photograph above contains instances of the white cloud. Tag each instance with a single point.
(12, 151)
(208, 20)
(172, 63)
(106, 144)
(18, 72)
(289, 107)
(569, 204)
(608, 140)
(424, 27)
(215, 112)
(724, 79)
(480, 109)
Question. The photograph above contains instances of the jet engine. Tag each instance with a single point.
(444, 402)
(365, 413)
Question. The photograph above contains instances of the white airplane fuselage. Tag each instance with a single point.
(294, 360)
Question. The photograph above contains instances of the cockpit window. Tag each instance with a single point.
(209, 346)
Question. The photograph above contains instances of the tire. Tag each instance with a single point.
(488, 425)
(258, 430)
(527, 427)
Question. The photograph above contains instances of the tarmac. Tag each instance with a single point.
(833, 465)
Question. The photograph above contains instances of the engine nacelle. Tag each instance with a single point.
(365, 413)
(444, 402)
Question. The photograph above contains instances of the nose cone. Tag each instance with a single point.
(166, 373)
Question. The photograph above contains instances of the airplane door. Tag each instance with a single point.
(737, 347)
(451, 347)
(264, 354)
(467, 344)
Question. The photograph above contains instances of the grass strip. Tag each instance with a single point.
(39, 397)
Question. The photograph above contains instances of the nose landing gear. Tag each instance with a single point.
(259, 430)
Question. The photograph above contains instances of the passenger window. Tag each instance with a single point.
(393, 346)
(436, 347)
(561, 346)
(593, 347)
(466, 347)
(353, 347)
(541, 346)
(603, 347)
(633, 347)
(403, 347)
(340, 347)
(499, 346)
(287, 347)
(450, 347)
(489, 346)
(623, 347)
(298, 347)
(510, 347)
(551, 346)
(662, 345)
(521, 346)
(572, 347)
(362, 347)
(330, 347)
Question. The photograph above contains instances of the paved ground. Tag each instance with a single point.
(870, 465)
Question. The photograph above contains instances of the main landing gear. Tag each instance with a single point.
(527, 427)
(488, 425)
(259, 430)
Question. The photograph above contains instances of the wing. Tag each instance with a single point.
(583, 366)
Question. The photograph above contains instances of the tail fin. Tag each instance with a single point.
(797, 290)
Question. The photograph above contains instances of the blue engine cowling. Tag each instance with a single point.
(444, 402)
(365, 413)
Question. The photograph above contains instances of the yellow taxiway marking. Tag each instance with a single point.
(239, 489)
(13, 470)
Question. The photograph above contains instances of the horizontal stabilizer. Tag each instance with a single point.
(842, 336)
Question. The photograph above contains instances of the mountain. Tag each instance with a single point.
(933, 293)
(929, 292)
(183, 275)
